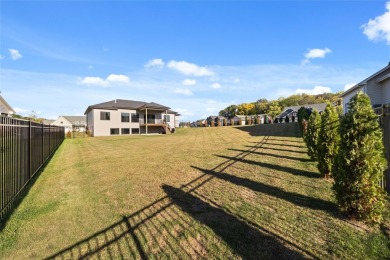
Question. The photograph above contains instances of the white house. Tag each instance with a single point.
(71, 123)
(377, 87)
(127, 117)
(5, 108)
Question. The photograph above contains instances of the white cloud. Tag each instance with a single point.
(379, 27)
(348, 86)
(216, 85)
(122, 79)
(112, 79)
(315, 54)
(155, 63)
(187, 68)
(189, 82)
(94, 81)
(315, 91)
(90, 67)
(181, 91)
(21, 111)
(184, 112)
(15, 54)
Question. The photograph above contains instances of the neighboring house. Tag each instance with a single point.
(293, 111)
(71, 123)
(126, 117)
(237, 118)
(5, 108)
(377, 87)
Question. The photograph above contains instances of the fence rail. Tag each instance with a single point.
(25, 146)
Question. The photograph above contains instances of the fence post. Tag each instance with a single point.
(29, 149)
(43, 143)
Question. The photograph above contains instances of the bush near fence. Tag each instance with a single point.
(25, 146)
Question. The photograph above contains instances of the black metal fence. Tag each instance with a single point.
(25, 146)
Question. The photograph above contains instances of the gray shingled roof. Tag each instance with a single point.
(127, 104)
(73, 119)
(319, 107)
(364, 82)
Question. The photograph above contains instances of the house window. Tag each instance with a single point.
(125, 117)
(134, 117)
(114, 131)
(134, 131)
(125, 131)
(76, 122)
(167, 118)
(104, 115)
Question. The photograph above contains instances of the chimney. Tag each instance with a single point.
(115, 101)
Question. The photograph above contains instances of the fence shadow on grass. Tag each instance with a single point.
(298, 172)
(278, 149)
(275, 155)
(295, 198)
(245, 240)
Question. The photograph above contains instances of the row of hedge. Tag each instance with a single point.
(350, 150)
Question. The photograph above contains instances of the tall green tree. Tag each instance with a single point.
(313, 133)
(328, 141)
(360, 163)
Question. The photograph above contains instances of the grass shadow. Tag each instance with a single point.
(290, 170)
(245, 240)
(292, 197)
(274, 155)
(277, 149)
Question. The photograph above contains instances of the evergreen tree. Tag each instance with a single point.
(360, 163)
(328, 141)
(312, 134)
(302, 116)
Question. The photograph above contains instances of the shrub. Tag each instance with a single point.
(212, 123)
(287, 120)
(231, 122)
(276, 120)
(360, 163)
(312, 134)
(224, 122)
(249, 121)
(302, 115)
(328, 141)
(69, 134)
(293, 119)
(239, 121)
(256, 120)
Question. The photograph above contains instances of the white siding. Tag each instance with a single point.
(348, 96)
(102, 127)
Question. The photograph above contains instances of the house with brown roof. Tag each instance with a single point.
(5, 108)
(376, 86)
(129, 117)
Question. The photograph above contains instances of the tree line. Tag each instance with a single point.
(275, 107)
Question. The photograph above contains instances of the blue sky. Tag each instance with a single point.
(197, 57)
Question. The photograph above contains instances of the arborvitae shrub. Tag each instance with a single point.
(239, 121)
(231, 122)
(293, 119)
(328, 141)
(212, 123)
(312, 134)
(287, 120)
(302, 115)
(256, 120)
(360, 163)
(69, 134)
(224, 122)
(249, 121)
(218, 122)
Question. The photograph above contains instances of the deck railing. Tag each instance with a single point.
(151, 121)
(25, 146)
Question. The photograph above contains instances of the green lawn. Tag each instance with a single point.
(227, 192)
